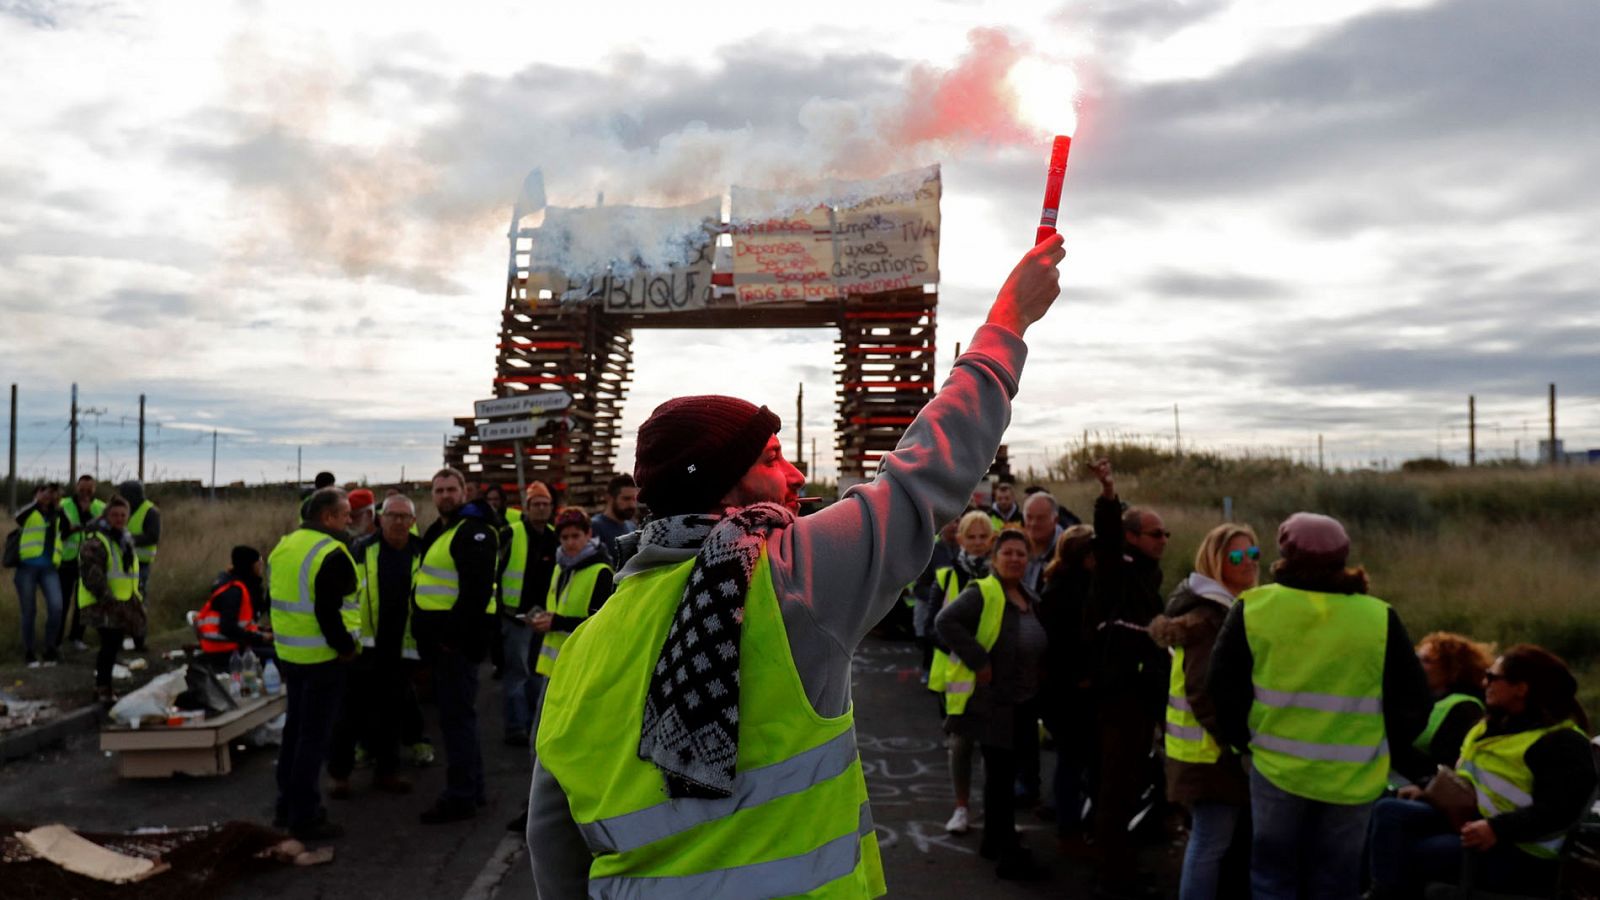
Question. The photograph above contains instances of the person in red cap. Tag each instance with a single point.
(696, 735)
(1318, 680)
(362, 519)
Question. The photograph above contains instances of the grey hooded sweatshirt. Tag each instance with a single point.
(839, 571)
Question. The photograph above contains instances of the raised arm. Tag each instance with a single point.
(847, 563)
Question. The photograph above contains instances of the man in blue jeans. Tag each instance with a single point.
(39, 561)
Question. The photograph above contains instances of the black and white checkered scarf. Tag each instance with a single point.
(691, 712)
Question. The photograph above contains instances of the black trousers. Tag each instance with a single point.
(999, 801)
(371, 715)
(1127, 732)
(410, 715)
(316, 692)
(106, 659)
(455, 689)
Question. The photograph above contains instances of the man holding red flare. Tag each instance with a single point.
(697, 734)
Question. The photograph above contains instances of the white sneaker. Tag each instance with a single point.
(79, 645)
(958, 821)
(127, 643)
(34, 664)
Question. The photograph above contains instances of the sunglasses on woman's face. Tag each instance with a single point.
(1237, 556)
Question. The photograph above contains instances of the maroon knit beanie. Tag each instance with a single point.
(692, 450)
(1313, 541)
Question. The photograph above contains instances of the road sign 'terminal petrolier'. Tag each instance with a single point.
(540, 402)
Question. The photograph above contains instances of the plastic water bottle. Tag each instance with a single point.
(252, 674)
(271, 679)
(236, 675)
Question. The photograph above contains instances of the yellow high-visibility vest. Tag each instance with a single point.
(959, 679)
(571, 600)
(292, 569)
(798, 823)
(1316, 724)
(1498, 770)
(147, 554)
(123, 581)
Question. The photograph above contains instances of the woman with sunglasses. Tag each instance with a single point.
(1202, 774)
(1530, 766)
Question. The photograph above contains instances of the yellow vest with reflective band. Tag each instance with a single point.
(438, 582)
(124, 583)
(798, 823)
(571, 600)
(516, 573)
(292, 569)
(35, 533)
(367, 600)
(1186, 739)
(959, 679)
(136, 528)
(1316, 724)
(71, 543)
(1497, 768)
(1437, 715)
(938, 670)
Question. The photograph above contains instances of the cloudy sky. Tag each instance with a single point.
(285, 221)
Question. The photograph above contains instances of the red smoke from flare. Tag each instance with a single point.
(972, 102)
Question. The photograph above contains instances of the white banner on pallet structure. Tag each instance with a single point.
(855, 237)
(629, 259)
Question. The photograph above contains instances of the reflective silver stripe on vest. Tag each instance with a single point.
(369, 642)
(291, 641)
(437, 589)
(304, 603)
(1500, 786)
(631, 831)
(549, 652)
(1179, 703)
(958, 687)
(1333, 703)
(1350, 753)
(1186, 732)
(441, 574)
(777, 878)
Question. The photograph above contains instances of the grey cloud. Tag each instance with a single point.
(1217, 286)
(38, 13)
(133, 305)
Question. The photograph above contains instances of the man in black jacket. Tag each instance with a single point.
(532, 544)
(452, 635)
(315, 688)
(1129, 673)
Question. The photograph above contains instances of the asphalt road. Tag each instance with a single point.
(387, 853)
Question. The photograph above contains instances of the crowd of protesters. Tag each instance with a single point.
(1314, 750)
(1317, 752)
(351, 607)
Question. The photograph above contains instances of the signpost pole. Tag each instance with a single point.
(522, 478)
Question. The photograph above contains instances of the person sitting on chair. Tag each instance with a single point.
(1529, 764)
